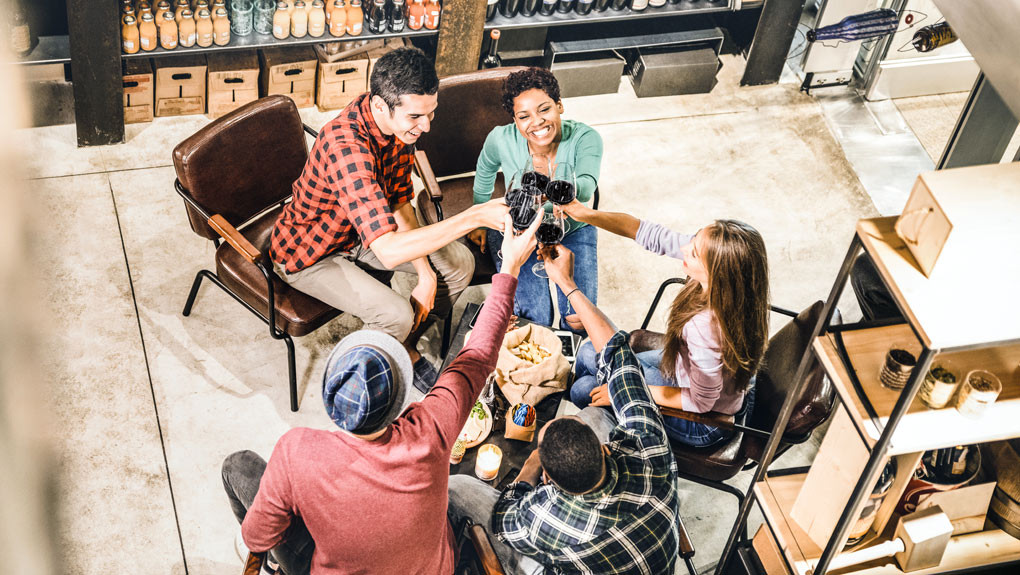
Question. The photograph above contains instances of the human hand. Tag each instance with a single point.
(600, 396)
(575, 209)
(559, 264)
(531, 471)
(423, 297)
(517, 249)
(477, 237)
(490, 214)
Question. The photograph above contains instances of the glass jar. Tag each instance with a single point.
(866, 519)
(898, 365)
(242, 14)
(939, 384)
(263, 19)
(980, 389)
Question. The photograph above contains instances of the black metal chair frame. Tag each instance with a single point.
(762, 434)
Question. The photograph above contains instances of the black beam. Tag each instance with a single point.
(771, 44)
(95, 71)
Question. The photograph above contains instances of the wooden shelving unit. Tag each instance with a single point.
(965, 311)
(776, 495)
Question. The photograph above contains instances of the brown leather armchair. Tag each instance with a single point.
(235, 175)
(712, 466)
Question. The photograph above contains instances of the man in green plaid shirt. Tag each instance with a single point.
(623, 516)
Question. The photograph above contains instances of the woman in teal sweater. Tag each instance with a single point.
(532, 98)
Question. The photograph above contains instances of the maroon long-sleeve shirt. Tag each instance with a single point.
(380, 506)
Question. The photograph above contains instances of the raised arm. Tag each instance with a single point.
(397, 247)
(618, 223)
(560, 267)
(457, 388)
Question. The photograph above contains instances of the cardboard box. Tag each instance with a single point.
(139, 90)
(675, 70)
(233, 81)
(588, 73)
(180, 85)
(341, 82)
(289, 71)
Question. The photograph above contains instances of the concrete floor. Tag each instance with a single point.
(147, 403)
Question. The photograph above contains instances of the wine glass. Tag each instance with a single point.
(562, 187)
(537, 172)
(524, 204)
(550, 232)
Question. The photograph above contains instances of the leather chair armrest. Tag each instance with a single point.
(233, 237)
(424, 168)
(483, 548)
(645, 340)
(712, 418)
(253, 566)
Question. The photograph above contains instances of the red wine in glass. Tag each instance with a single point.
(535, 179)
(560, 192)
(522, 216)
(549, 234)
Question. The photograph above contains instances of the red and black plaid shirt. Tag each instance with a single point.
(354, 179)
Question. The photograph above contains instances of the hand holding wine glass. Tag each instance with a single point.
(517, 248)
(549, 233)
(560, 267)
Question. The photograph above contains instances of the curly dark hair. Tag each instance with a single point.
(530, 79)
(571, 455)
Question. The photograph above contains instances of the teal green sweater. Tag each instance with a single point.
(506, 148)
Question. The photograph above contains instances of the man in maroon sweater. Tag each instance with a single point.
(372, 497)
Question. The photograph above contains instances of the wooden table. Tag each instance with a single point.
(515, 452)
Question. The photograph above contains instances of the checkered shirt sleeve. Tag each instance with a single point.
(347, 192)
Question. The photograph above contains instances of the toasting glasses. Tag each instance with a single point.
(562, 187)
(524, 203)
(550, 232)
(536, 173)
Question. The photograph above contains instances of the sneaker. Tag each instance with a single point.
(424, 375)
(269, 567)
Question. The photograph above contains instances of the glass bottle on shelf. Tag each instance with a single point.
(316, 19)
(638, 5)
(377, 17)
(125, 5)
(129, 34)
(548, 7)
(398, 16)
(186, 29)
(584, 7)
(204, 28)
(602, 5)
(147, 32)
(162, 8)
(492, 59)
(620, 4)
(355, 18)
(338, 18)
(656, 3)
(143, 8)
(216, 5)
(530, 7)
(491, 7)
(221, 27)
(564, 6)
(201, 5)
(129, 11)
(281, 21)
(179, 9)
(168, 31)
(432, 12)
(509, 8)
(299, 20)
(416, 15)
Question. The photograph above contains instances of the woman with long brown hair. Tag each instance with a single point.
(717, 327)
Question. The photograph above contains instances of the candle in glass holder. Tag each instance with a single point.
(487, 462)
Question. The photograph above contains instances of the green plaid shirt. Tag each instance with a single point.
(629, 525)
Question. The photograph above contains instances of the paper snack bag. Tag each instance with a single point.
(522, 380)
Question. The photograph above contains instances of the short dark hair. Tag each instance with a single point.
(571, 455)
(403, 71)
(530, 79)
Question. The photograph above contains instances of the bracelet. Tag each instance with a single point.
(571, 293)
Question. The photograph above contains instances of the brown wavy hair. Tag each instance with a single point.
(738, 295)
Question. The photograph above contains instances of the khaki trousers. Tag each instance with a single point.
(341, 281)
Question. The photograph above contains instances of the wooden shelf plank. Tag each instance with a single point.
(970, 298)
(922, 428)
(776, 496)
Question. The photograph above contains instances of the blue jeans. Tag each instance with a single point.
(679, 430)
(533, 301)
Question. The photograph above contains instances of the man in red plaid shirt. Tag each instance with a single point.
(352, 212)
